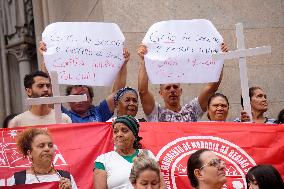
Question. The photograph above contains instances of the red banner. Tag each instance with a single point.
(77, 147)
(240, 145)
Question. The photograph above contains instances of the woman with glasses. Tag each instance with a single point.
(206, 170)
(264, 177)
(37, 145)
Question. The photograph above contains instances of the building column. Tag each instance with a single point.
(24, 54)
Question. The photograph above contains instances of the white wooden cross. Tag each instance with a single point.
(56, 99)
(241, 54)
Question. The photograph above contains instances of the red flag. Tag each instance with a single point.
(241, 145)
(46, 185)
(77, 147)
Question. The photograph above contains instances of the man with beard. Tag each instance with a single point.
(37, 84)
(205, 170)
(171, 93)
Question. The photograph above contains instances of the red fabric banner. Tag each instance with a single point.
(240, 145)
(77, 147)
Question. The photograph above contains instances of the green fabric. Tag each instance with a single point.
(100, 166)
(130, 158)
(130, 122)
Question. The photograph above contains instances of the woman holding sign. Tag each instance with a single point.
(112, 169)
(37, 145)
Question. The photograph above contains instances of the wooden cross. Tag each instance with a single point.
(56, 99)
(241, 53)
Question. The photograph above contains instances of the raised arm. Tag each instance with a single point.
(147, 98)
(42, 49)
(120, 80)
(210, 88)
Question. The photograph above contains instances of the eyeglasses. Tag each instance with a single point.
(214, 163)
(252, 182)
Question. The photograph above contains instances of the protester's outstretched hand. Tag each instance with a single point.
(126, 55)
(224, 47)
(42, 47)
(65, 183)
(142, 50)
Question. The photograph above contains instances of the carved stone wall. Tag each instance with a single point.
(18, 35)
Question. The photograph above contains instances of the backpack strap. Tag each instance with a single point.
(20, 177)
(64, 174)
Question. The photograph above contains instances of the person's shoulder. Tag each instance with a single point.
(16, 121)
(25, 113)
(149, 153)
(106, 156)
(66, 118)
(193, 102)
(270, 120)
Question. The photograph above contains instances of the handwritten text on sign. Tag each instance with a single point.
(179, 51)
(86, 53)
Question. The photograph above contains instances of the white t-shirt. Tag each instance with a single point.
(190, 112)
(118, 169)
(31, 179)
(27, 118)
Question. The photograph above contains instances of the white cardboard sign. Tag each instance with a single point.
(179, 51)
(86, 53)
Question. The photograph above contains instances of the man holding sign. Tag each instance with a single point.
(86, 54)
(37, 84)
(172, 52)
(82, 112)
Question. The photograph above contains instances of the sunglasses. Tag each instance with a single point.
(214, 163)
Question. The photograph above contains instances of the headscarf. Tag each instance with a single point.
(122, 91)
(133, 125)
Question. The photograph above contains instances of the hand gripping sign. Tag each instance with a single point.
(179, 51)
(84, 53)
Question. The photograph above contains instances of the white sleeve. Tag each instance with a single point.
(73, 183)
(11, 181)
(14, 122)
(66, 118)
(153, 116)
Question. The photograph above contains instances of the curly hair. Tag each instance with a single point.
(141, 163)
(26, 137)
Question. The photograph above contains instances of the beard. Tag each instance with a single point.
(36, 95)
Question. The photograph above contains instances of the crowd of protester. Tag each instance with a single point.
(129, 166)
